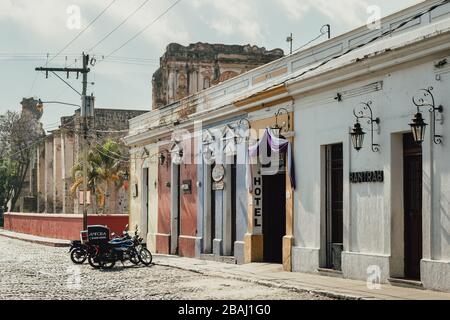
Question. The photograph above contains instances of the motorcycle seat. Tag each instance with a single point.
(122, 243)
(118, 239)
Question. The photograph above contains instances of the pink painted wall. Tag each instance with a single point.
(60, 226)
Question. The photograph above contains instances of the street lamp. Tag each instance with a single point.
(357, 136)
(162, 159)
(357, 133)
(41, 103)
(418, 126)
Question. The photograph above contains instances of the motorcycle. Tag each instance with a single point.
(78, 251)
(120, 249)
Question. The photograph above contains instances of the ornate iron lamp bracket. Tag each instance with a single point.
(278, 114)
(365, 112)
(426, 100)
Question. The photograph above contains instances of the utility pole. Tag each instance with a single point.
(87, 110)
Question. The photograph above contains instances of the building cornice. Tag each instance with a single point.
(242, 94)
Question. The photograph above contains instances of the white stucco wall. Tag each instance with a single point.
(135, 201)
(372, 211)
(146, 221)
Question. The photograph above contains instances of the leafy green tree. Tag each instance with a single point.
(19, 135)
(105, 173)
(7, 177)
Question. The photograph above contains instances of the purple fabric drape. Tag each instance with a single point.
(276, 144)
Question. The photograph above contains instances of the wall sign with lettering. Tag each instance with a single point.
(257, 202)
(367, 177)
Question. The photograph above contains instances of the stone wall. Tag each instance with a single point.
(60, 226)
(50, 178)
(185, 70)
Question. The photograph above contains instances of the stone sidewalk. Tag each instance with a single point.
(272, 275)
(35, 239)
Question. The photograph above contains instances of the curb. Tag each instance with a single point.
(37, 241)
(270, 284)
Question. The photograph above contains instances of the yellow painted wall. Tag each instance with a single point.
(254, 243)
(153, 199)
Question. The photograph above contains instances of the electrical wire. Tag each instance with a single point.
(82, 31)
(382, 35)
(118, 26)
(143, 29)
(309, 42)
(167, 111)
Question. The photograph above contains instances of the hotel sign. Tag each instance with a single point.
(367, 177)
(257, 202)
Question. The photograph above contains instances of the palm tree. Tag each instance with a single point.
(105, 173)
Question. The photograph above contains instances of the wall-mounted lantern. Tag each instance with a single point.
(163, 157)
(357, 134)
(277, 129)
(418, 125)
(418, 128)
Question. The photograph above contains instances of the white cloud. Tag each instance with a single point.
(223, 26)
(31, 26)
(233, 17)
(351, 13)
(48, 18)
(40, 17)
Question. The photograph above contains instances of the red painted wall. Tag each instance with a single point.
(60, 226)
(188, 208)
(163, 237)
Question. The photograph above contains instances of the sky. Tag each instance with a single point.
(31, 30)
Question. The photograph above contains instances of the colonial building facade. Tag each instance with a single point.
(184, 71)
(50, 175)
(327, 200)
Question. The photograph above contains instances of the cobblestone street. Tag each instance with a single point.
(32, 271)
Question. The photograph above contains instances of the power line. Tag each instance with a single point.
(67, 83)
(82, 31)
(143, 29)
(119, 25)
(382, 35)
(309, 42)
(24, 149)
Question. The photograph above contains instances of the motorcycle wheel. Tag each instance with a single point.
(78, 256)
(92, 263)
(145, 256)
(134, 258)
(105, 265)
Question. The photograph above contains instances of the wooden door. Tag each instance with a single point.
(334, 214)
(412, 188)
(233, 203)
